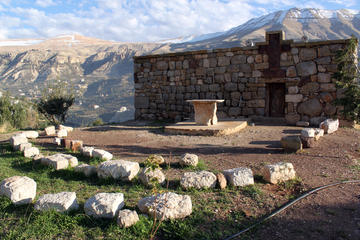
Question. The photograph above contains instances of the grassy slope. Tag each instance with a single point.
(23, 222)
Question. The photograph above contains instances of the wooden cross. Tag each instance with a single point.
(273, 47)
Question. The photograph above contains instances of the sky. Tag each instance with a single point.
(139, 20)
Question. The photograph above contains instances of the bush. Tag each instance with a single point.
(97, 122)
(14, 113)
(55, 102)
(348, 81)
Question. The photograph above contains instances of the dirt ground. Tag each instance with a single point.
(333, 213)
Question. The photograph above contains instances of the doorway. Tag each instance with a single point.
(275, 100)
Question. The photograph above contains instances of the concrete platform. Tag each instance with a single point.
(222, 128)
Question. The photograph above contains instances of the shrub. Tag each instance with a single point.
(348, 81)
(55, 102)
(14, 112)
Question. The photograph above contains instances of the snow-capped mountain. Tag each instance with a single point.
(316, 24)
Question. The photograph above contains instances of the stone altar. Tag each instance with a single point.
(205, 111)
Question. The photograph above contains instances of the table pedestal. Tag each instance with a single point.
(205, 111)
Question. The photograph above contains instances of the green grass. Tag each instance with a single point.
(23, 222)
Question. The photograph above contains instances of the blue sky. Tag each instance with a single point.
(139, 20)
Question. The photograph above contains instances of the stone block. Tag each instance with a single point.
(61, 133)
(308, 132)
(306, 68)
(31, 152)
(60, 161)
(310, 88)
(324, 77)
(166, 206)
(189, 160)
(239, 176)
(18, 139)
(60, 202)
(237, 59)
(126, 218)
(291, 143)
(294, 98)
(327, 87)
(278, 172)
(86, 169)
(151, 177)
(67, 128)
(118, 169)
(221, 179)
(19, 189)
(198, 180)
(102, 154)
(87, 151)
(31, 134)
(22, 146)
(330, 125)
(307, 54)
(50, 130)
(104, 205)
(311, 107)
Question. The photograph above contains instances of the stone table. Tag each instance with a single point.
(205, 111)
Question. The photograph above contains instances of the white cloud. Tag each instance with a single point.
(141, 20)
(45, 3)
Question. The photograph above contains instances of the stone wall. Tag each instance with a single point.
(243, 77)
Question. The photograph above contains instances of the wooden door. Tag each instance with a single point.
(276, 100)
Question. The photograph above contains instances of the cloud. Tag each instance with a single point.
(139, 20)
(45, 3)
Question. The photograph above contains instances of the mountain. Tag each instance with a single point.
(316, 24)
(100, 71)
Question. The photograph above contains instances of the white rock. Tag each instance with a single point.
(127, 218)
(31, 152)
(22, 146)
(87, 151)
(104, 205)
(62, 133)
(308, 132)
(118, 169)
(66, 128)
(198, 180)
(31, 134)
(61, 202)
(18, 139)
(319, 133)
(189, 160)
(166, 206)
(278, 172)
(149, 177)
(20, 190)
(239, 176)
(86, 169)
(60, 161)
(330, 125)
(50, 130)
(57, 141)
(102, 154)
